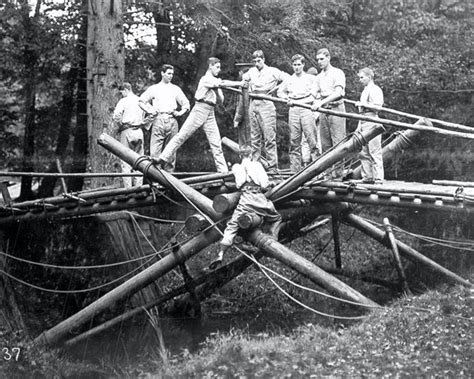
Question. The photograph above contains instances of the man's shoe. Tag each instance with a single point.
(368, 181)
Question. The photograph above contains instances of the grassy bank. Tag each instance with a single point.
(425, 336)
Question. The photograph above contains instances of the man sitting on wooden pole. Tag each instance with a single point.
(252, 179)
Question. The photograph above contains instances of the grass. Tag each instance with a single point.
(425, 336)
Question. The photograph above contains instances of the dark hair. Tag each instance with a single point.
(166, 67)
(212, 61)
(125, 85)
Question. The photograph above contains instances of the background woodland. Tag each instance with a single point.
(62, 61)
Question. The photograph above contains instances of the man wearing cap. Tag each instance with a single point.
(202, 115)
(371, 99)
(263, 80)
(128, 118)
(251, 179)
(297, 89)
(328, 91)
(165, 101)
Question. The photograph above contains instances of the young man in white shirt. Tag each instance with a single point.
(297, 89)
(202, 115)
(128, 118)
(165, 101)
(371, 99)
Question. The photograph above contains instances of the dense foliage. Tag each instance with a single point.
(421, 53)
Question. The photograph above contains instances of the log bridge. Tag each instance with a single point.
(301, 197)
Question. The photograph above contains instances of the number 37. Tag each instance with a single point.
(8, 354)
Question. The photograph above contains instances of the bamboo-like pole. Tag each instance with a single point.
(57, 333)
(167, 180)
(276, 250)
(453, 183)
(89, 174)
(396, 256)
(361, 117)
(402, 140)
(323, 162)
(408, 252)
(458, 127)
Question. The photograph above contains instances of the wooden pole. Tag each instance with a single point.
(196, 223)
(323, 162)
(276, 250)
(458, 127)
(396, 256)
(402, 140)
(337, 244)
(408, 252)
(427, 127)
(145, 165)
(453, 183)
(57, 333)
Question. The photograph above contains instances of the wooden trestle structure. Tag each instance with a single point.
(301, 197)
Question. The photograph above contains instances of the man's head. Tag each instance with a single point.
(366, 75)
(298, 63)
(125, 88)
(167, 72)
(323, 57)
(258, 59)
(245, 152)
(214, 66)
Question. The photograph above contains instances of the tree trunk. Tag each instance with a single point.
(30, 63)
(11, 319)
(79, 153)
(105, 72)
(65, 117)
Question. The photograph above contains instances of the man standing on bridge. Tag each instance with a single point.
(371, 99)
(297, 89)
(202, 115)
(128, 117)
(252, 180)
(167, 103)
(263, 80)
(329, 90)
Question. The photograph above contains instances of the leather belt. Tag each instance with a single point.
(206, 102)
(252, 189)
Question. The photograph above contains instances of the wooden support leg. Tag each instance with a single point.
(335, 236)
(396, 255)
(405, 250)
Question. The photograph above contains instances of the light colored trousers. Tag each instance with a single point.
(301, 123)
(202, 115)
(333, 131)
(164, 128)
(306, 157)
(251, 203)
(263, 129)
(133, 139)
(371, 159)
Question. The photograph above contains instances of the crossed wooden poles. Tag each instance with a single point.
(267, 245)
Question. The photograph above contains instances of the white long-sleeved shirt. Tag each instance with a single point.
(127, 111)
(250, 171)
(165, 97)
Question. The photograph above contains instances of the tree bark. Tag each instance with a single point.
(105, 72)
(79, 153)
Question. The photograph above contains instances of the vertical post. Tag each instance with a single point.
(60, 170)
(335, 236)
(396, 255)
(5, 193)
